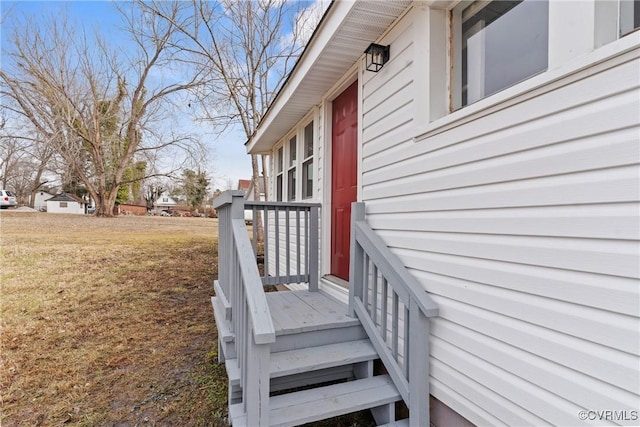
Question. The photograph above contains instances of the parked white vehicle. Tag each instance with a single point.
(7, 199)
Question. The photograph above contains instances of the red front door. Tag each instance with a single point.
(344, 176)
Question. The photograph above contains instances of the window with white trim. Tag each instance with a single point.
(280, 174)
(294, 165)
(307, 162)
(498, 44)
(291, 172)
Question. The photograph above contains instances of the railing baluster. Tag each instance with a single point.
(383, 309)
(406, 340)
(276, 227)
(265, 245)
(394, 325)
(312, 231)
(298, 244)
(288, 241)
(365, 281)
(254, 229)
(307, 242)
(374, 295)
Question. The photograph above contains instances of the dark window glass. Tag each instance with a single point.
(503, 43)
(307, 179)
(629, 16)
(291, 184)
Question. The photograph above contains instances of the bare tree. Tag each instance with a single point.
(101, 108)
(247, 48)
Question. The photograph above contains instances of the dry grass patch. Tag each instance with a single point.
(108, 321)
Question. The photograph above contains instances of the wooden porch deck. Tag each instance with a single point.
(303, 311)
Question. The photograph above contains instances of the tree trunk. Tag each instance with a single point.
(256, 194)
(105, 203)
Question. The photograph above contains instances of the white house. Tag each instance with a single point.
(40, 200)
(496, 152)
(164, 202)
(66, 203)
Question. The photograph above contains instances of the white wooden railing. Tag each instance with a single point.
(394, 310)
(290, 241)
(249, 317)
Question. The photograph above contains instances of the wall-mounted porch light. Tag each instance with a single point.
(377, 56)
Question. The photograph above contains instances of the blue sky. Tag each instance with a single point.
(228, 159)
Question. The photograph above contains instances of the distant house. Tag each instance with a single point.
(40, 200)
(244, 185)
(66, 203)
(164, 202)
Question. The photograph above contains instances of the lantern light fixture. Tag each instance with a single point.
(377, 56)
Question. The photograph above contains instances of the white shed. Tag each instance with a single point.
(66, 203)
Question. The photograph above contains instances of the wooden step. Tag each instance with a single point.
(293, 362)
(224, 331)
(400, 423)
(223, 299)
(320, 403)
(225, 335)
(294, 312)
(310, 319)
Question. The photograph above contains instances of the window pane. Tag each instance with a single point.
(308, 140)
(503, 43)
(307, 179)
(279, 188)
(291, 184)
(629, 16)
(279, 160)
(292, 151)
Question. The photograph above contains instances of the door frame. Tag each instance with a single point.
(355, 73)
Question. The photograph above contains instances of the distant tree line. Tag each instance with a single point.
(77, 105)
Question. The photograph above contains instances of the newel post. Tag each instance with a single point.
(356, 263)
(418, 366)
(230, 205)
(313, 249)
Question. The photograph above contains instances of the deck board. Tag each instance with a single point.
(304, 311)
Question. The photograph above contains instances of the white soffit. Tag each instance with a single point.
(345, 32)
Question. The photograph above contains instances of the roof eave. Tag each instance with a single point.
(335, 15)
(339, 42)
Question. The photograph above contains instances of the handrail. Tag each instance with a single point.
(385, 296)
(262, 324)
(250, 204)
(249, 315)
(391, 267)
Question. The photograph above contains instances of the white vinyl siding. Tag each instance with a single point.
(523, 225)
(65, 207)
